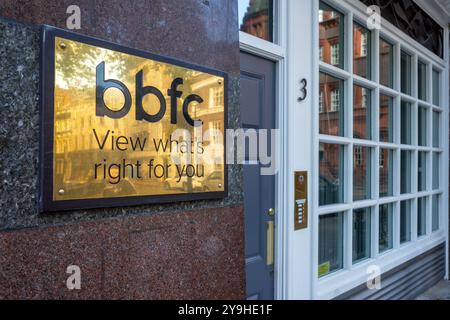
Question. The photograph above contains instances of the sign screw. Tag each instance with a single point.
(219, 82)
(220, 186)
(62, 45)
(61, 192)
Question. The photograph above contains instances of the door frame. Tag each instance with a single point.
(276, 52)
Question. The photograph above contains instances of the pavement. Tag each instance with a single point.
(441, 291)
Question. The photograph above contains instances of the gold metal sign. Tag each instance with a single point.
(301, 200)
(126, 125)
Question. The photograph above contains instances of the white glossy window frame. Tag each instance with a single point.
(353, 275)
(296, 54)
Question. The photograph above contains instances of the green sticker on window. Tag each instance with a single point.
(324, 269)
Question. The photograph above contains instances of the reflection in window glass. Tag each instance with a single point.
(406, 122)
(405, 221)
(386, 119)
(405, 75)
(421, 217)
(331, 180)
(256, 18)
(385, 226)
(435, 216)
(361, 173)
(436, 129)
(331, 229)
(436, 88)
(386, 173)
(422, 171)
(331, 35)
(362, 113)
(361, 234)
(332, 115)
(361, 51)
(422, 80)
(423, 125)
(386, 63)
(436, 177)
(405, 171)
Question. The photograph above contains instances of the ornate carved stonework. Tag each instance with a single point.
(411, 19)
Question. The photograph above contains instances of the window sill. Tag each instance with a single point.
(335, 284)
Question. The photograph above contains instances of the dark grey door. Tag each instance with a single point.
(258, 112)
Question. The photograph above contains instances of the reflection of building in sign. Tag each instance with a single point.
(212, 118)
(78, 148)
(301, 210)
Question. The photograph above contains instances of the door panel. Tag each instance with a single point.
(258, 112)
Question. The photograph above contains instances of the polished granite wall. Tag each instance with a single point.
(203, 241)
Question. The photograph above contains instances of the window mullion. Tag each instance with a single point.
(348, 40)
(348, 243)
(375, 226)
(397, 72)
(414, 76)
(396, 225)
(414, 221)
(376, 55)
(429, 83)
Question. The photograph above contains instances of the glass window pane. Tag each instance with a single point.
(436, 171)
(422, 174)
(386, 229)
(405, 221)
(331, 180)
(361, 51)
(406, 122)
(362, 113)
(422, 80)
(331, 230)
(405, 171)
(386, 173)
(405, 75)
(256, 18)
(423, 125)
(386, 119)
(421, 217)
(436, 129)
(361, 173)
(332, 108)
(361, 234)
(331, 35)
(436, 88)
(386, 63)
(436, 212)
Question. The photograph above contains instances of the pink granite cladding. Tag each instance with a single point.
(188, 255)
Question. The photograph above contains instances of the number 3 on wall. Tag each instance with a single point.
(303, 90)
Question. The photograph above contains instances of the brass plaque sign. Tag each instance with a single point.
(301, 200)
(124, 127)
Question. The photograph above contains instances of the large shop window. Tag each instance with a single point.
(380, 144)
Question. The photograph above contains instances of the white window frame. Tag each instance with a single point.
(352, 275)
(296, 54)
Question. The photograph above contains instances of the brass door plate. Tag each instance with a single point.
(111, 121)
(301, 200)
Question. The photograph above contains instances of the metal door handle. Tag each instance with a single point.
(270, 243)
